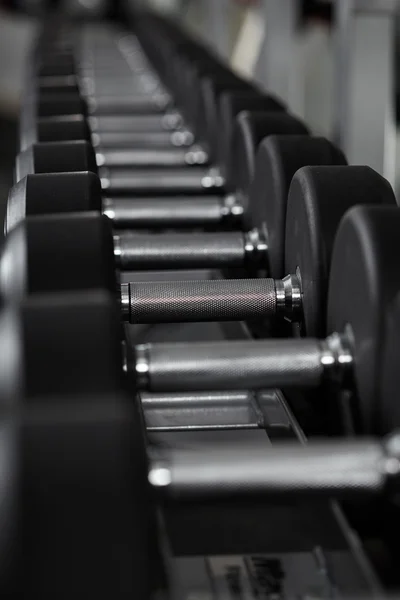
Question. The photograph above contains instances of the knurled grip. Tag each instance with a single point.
(141, 251)
(194, 301)
(240, 365)
(164, 211)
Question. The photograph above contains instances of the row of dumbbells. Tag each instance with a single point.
(324, 232)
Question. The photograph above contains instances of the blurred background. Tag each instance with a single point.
(333, 62)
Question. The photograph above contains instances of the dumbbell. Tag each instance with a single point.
(50, 63)
(190, 211)
(363, 283)
(88, 83)
(272, 169)
(364, 265)
(83, 462)
(55, 109)
(140, 148)
(102, 473)
(78, 251)
(207, 93)
(278, 156)
(82, 446)
(116, 134)
(76, 126)
(346, 469)
(204, 96)
(207, 96)
(127, 149)
(63, 357)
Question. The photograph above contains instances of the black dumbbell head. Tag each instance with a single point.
(55, 157)
(46, 193)
(389, 381)
(11, 364)
(230, 104)
(250, 128)
(60, 344)
(54, 129)
(50, 103)
(318, 199)
(71, 343)
(364, 280)
(61, 64)
(85, 502)
(211, 87)
(58, 84)
(72, 251)
(278, 158)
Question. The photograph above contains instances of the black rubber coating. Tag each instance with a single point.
(174, 181)
(62, 128)
(71, 344)
(364, 280)
(46, 193)
(389, 384)
(175, 211)
(61, 66)
(225, 365)
(249, 130)
(318, 199)
(34, 129)
(199, 71)
(69, 252)
(69, 103)
(53, 157)
(208, 122)
(62, 445)
(56, 157)
(278, 159)
(230, 104)
(195, 301)
(141, 251)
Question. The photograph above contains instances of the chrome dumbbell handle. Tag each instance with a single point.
(142, 123)
(141, 251)
(241, 365)
(179, 180)
(179, 138)
(173, 211)
(151, 157)
(340, 469)
(229, 365)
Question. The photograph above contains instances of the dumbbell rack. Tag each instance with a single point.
(247, 550)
